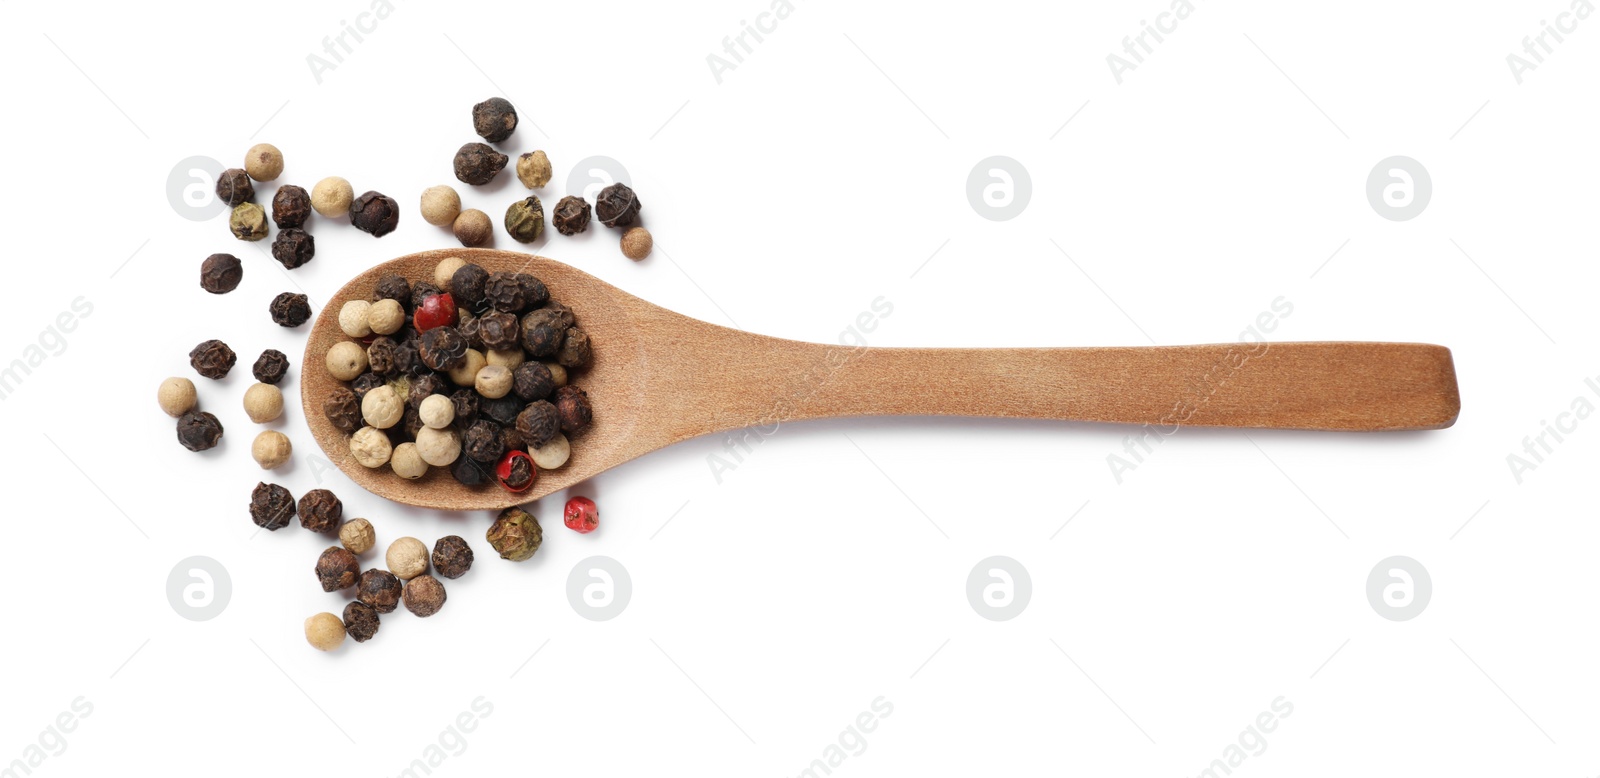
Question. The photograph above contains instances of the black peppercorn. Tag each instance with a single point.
(538, 423)
(366, 382)
(234, 187)
(420, 292)
(512, 439)
(571, 215)
(534, 290)
(360, 621)
(379, 589)
(467, 325)
(291, 206)
(393, 286)
(270, 366)
(293, 247)
(525, 219)
(542, 332)
(408, 359)
(483, 442)
(271, 506)
(442, 348)
(375, 213)
(494, 119)
(478, 163)
(411, 422)
(575, 350)
(320, 511)
(290, 309)
(572, 405)
(422, 387)
(505, 292)
(342, 408)
(470, 472)
(452, 557)
(466, 406)
(424, 595)
(212, 359)
(502, 411)
(337, 569)
(198, 430)
(466, 286)
(498, 330)
(617, 206)
(220, 273)
(532, 381)
(380, 355)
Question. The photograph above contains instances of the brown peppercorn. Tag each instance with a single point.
(467, 286)
(424, 386)
(290, 309)
(234, 187)
(542, 332)
(452, 557)
(470, 472)
(360, 621)
(199, 431)
(320, 511)
(571, 215)
(270, 367)
(473, 228)
(366, 382)
(501, 410)
(410, 423)
(466, 407)
(515, 534)
(442, 348)
(408, 359)
(467, 325)
(636, 243)
(538, 423)
(575, 350)
(271, 506)
(483, 441)
(532, 381)
(494, 119)
(393, 286)
(357, 535)
(478, 163)
(572, 404)
(505, 292)
(248, 222)
(617, 206)
(420, 292)
(424, 595)
(379, 589)
(293, 247)
(525, 220)
(375, 213)
(512, 440)
(212, 359)
(498, 330)
(343, 409)
(220, 273)
(380, 355)
(291, 206)
(337, 569)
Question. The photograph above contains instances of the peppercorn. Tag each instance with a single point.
(357, 535)
(493, 382)
(533, 169)
(234, 187)
(270, 366)
(442, 348)
(407, 558)
(446, 268)
(271, 449)
(360, 621)
(331, 196)
(617, 206)
(366, 382)
(502, 411)
(557, 374)
(264, 162)
(220, 273)
(319, 510)
(538, 423)
(290, 310)
(407, 462)
(342, 409)
(380, 356)
(515, 534)
(293, 247)
(581, 516)
(571, 215)
(469, 472)
(382, 408)
(370, 447)
(291, 206)
(263, 403)
(248, 222)
(436, 411)
(512, 439)
(505, 292)
(379, 589)
(337, 569)
(408, 359)
(467, 286)
(499, 330)
(411, 424)
(466, 407)
(346, 360)
(420, 292)
(553, 454)
(525, 220)
(440, 205)
(494, 119)
(325, 632)
(542, 332)
(532, 381)
(473, 228)
(393, 286)
(271, 506)
(636, 243)
(438, 447)
(483, 442)
(424, 595)
(424, 387)
(515, 471)
(452, 557)
(575, 350)
(176, 396)
(386, 316)
(572, 405)
(212, 359)
(478, 163)
(375, 213)
(508, 358)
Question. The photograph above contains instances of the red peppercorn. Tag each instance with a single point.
(437, 311)
(516, 471)
(581, 516)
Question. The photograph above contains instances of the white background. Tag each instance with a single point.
(829, 568)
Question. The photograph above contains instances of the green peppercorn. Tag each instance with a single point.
(525, 220)
(248, 222)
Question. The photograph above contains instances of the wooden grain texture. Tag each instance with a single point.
(659, 377)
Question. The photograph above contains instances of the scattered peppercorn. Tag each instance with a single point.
(293, 247)
(375, 213)
(248, 222)
(572, 405)
(379, 589)
(581, 516)
(407, 558)
(199, 431)
(538, 423)
(473, 228)
(467, 286)
(357, 535)
(290, 309)
(636, 243)
(571, 215)
(617, 206)
(360, 621)
(264, 162)
(494, 119)
(525, 220)
(212, 359)
(270, 367)
(533, 169)
(263, 403)
(271, 449)
(575, 350)
(337, 569)
(320, 511)
(271, 506)
(331, 196)
(177, 396)
(291, 206)
(477, 163)
(515, 534)
(220, 273)
(325, 632)
(424, 595)
(452, 557)
(342, 409)
(234, 187)
(440, 205)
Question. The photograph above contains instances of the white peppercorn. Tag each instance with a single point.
(473, 228)
(407, 558)
(407, 461)
(331, 196)
(271, 449)
(353, 318)
(264, 162)
(438, 447)
(440, 205)
(371, 447)
(557, 373)
(386, 316)
(357, 535)
(552, 454)
(636, 243)
(325, 631)
(493, 381)
(346, 360)
(383, 407)
(507, 358)
(263, 403)
(443, 271)
(533, 169)
(437, 411)
(466, 373)
(176, 396)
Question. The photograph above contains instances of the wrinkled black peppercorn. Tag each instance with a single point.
(393, 286)
(360, 621)
(411, 422)
(320, 511)
(375, 213)
(478, 163)
(271, 506)
(290, 309)
(366, 382)
(468, 327)
(442, 348)
(575, 350)
(542, 332)
(337, 569)
(379, 589)
(380, 355)
(511, 438)
(522, 474)
(408, 359)
(572, 405)
(220, 273)
(502, 411)
(452, 557)
(470, 472)
(423, 595)
(212, 359)
(483, 442)
(234, 187)
(424, 386)
(293, 247)
(505, 292)
(534, 290)
(498, 330)
(494, 119)
(198, 430)
(420, 292)
(343, 409)
(532, 381)
(466, 286)
(466, 403)
(291, 206)
(270, 366)
(538, 423)
(617, 206)
(571, 215)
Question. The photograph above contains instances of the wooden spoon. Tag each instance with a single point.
(659, 377)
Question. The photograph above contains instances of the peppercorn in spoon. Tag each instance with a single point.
(658, 377)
